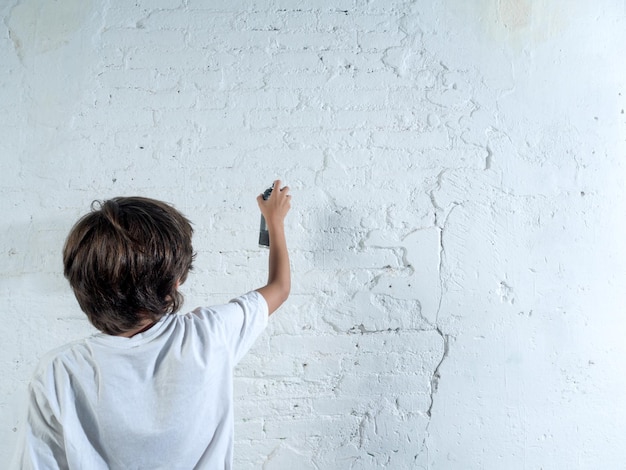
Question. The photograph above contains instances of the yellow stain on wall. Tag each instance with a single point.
(528, 22)
(53, 41)
(516, 24)
(39, 26)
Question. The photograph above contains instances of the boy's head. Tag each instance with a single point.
(125, 259)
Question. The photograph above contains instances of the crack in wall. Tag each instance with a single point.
(436, 376)
(434, 380)
(361, 329)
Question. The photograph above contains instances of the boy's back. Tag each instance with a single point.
(140, 402)
(159, 397)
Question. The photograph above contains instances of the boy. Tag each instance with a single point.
(153, 390)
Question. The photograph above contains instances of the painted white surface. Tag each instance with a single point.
(458, 174)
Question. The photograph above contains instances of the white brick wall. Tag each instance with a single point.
(457, 231)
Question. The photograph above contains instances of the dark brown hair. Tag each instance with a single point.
(124, 260)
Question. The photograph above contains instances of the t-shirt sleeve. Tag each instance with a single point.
(40, 443)
(243, 320)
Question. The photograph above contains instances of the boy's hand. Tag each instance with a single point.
(275, 208)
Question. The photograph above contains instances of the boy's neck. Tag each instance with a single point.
(143, 326)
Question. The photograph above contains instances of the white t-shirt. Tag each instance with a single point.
(162, 399)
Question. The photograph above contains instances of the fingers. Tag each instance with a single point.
(283, 191)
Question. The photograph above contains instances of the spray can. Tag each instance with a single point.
(264, 234)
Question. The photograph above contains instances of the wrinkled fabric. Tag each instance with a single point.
(162, 399)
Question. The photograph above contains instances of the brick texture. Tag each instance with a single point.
(457, 229)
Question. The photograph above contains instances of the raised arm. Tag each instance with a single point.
(274, 209)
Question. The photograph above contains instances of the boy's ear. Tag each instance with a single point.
(177, 284)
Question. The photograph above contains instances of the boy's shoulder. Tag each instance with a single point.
(61, 358)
